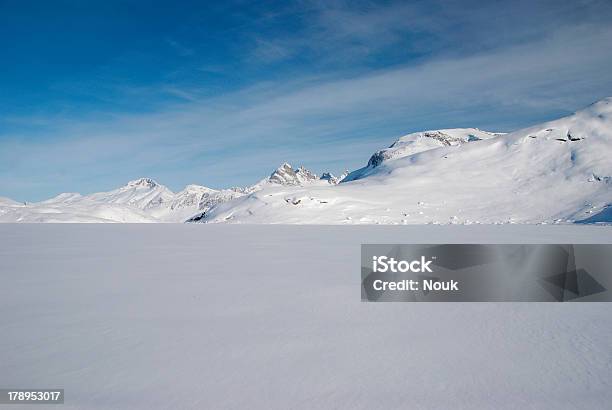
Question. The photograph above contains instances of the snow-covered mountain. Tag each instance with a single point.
(421, 141)
(141, 200)
(74, 209)
(286, 175)
(555, 172)
(145, 200)
(283, 176)
(143, 193)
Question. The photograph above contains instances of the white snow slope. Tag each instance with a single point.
(556, 172)
(423, 141)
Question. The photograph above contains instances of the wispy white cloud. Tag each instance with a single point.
(329, 120)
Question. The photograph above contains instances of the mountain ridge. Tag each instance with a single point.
(554, 172)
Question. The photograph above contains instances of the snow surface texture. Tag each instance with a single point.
(556, 172)
(269, 317)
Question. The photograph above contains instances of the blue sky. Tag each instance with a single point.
(93, 94)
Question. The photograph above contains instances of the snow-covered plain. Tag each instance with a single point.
(269, 316)
(556, 172)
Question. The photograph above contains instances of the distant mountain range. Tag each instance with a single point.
(145, 200)
(556, 172)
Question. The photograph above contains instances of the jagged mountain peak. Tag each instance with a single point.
(327, 176)
(143, 182)
(332, 179)
(287, 175)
